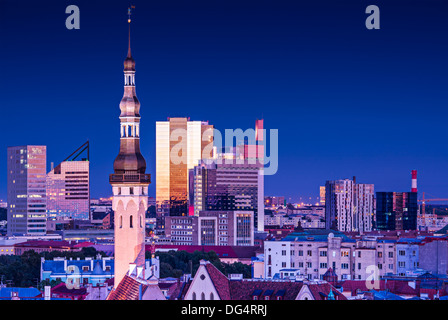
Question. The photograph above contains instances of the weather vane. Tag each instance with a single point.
(129, 13)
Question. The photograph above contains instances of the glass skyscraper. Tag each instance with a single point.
(396, 210)
(68, 193)
(180, 145)
(27, 190)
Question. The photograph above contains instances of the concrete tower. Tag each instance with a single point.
(129, 181)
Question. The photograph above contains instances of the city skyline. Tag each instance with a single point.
(259, 62)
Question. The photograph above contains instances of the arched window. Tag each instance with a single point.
(194, 296)
(202, 296)
(131, 222)
(211, 296)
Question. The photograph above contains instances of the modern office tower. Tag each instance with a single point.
(348, 206)
(233, 185)
(364, 209)
(322, 195)
(129, 182)
(396, 210)
(180, 145)
(212, 228)
(27, 190)
(68, 191)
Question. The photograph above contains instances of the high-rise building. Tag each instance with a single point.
(396, 210)
(68, 191)
(180, 145)
(349, 206)
(322, 195)
(27, 190)
(212, 228)
(233, 185)
(129, 182)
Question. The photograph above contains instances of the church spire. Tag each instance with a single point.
(129, 159)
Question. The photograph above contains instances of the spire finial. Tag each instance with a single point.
(129, 37)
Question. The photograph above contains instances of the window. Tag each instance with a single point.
(131, 222)
(300, 253)
(323, 253)
(211, 296)
(283, 252)
(402, 253)
(309, 253)
(283, 264)
(202, 296)
(380, 254)
(121, 221)
(194, 296)
(391, 254)
(323, 265)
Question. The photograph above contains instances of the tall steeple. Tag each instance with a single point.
(129, 181)
(129, 159)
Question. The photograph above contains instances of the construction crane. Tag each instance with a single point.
(423, 201)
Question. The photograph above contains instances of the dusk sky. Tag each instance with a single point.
(346, 101)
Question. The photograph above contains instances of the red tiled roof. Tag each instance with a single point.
(219, 280)
(128, 289)
(394, 286)
(83, 244)
(179, 291)
(325, 288)
(46, 244)
(244, 289)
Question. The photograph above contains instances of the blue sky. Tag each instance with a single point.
(347, 101)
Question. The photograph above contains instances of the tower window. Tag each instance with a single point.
(121, 221)
(131, 222)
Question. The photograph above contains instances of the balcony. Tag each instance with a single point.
(130, 178)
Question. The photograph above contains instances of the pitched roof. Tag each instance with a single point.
(320, 291)
(246, 289)
(220, 281)
(128, 289)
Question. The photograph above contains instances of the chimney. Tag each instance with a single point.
(47, 294)
(414, 181)
(132, 267)
(139, 272)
